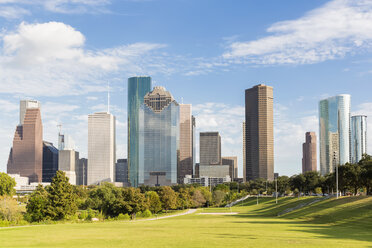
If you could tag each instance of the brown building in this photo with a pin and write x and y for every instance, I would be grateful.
(232, 162)
(185, 166)
(259, 133)
(26, 155)
(210, 148)
(309, 153)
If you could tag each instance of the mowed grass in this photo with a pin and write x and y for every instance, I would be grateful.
(346, 222)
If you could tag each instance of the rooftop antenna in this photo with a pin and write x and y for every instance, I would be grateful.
(181, 100)
(108, 97)
(59, 128)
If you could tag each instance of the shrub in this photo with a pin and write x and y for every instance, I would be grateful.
(146, 213)
(9, 209)
(123, 217)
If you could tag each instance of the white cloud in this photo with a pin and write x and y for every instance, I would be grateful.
(50, 59)
(328, 32)
(7, 106)
(12, 12)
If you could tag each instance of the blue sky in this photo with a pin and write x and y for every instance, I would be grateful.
(64, 52)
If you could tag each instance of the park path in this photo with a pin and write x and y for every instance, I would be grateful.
(190, 211)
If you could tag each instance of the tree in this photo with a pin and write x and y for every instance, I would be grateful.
(184, 198)
(283, 184)
(9, 209)
(312, 179)
(198, 198)
(61, 197)
(297, 182)
(366, 172)
(36, 209)
(353, 176)
(154, 202)
(168, 197)
(103, 198)
(134, 201)
(7, 184)
(218, 197)
(207, 194)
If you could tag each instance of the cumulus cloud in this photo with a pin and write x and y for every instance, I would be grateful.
(328, 32)
(50, 59)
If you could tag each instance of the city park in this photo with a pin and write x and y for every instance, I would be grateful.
(298, 211)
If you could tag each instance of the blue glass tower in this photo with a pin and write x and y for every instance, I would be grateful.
(159, 139)
(138, 87)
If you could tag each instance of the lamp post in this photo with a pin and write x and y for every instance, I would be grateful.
(276, 190)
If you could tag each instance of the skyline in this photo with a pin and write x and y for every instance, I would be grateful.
(210, 79)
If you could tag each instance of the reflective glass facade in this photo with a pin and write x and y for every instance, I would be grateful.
(358, 137)
(334, 132)
(158, 140)
(138, 87)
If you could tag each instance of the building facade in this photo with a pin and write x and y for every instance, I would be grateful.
(121, 171)
(50, 162)
(82, 172)
(138, 87)
(101, 148)
(24, 105)
(210, 148)
(232, 162)
(309, 155)
(259, 133)
(158, 139)
(334, 132)
(214, 170)
(186, 163)
(244, 153)
(68, 161)
(26, 154)
(358, 137)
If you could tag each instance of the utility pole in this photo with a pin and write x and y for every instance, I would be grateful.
(276, 190)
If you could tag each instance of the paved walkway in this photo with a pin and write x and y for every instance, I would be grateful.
(190, 211)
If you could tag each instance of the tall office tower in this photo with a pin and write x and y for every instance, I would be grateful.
(101, 148)
(68, 160)
(358, 137)
(82, 172)
(309, 153)
(138, 87)
(26, 155)
(50, 162)
(65, 142)
(334, 132)
(185, 166)
(159, 138)
(210, 148)
(259, 133)
(232, 162)
(121, 168)
(24, 105)
(244, 153)
(193, 126)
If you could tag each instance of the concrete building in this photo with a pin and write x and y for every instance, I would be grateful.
(68, 160)
(82, 172)
(309, 155)
(50, 161)
(210, 148)
(158, 138)
(138, 87)
(214, 170)
(101, 148)
(358, 137)
(121, 168)
(26, 155)
(206, 181)
(20, 181)
(334, 132)
(232, 162)
(186, 163)
(259, 133)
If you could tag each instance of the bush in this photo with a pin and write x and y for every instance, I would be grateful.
(146, 213)
(123, 217)
(9, 209)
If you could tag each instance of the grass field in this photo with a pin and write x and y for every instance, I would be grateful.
(346, 222)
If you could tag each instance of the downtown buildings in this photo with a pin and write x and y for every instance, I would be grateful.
(309, 155)
(259, 133)
(358, 142)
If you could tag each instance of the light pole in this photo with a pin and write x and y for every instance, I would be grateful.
(276, 190)
(337, 180)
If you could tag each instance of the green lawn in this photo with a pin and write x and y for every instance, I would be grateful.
(346, 222)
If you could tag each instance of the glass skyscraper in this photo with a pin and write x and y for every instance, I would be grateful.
(159, 133)
(334, 132)
(138, 87)
(358, 137)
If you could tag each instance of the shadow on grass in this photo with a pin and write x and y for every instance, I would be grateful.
(345, 218)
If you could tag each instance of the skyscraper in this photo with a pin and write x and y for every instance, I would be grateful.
(309, 153)
(138, 87)
(185, 166)
(68, 161)
(358, 137)
(334, 132)
(244, 153)
(210, 148)
(101, 148)
(259, 133)
(26, 155)
(50, 162)
(158, 138)
(232, 162)
(24, 105)
(82, 172)
(121, 171)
